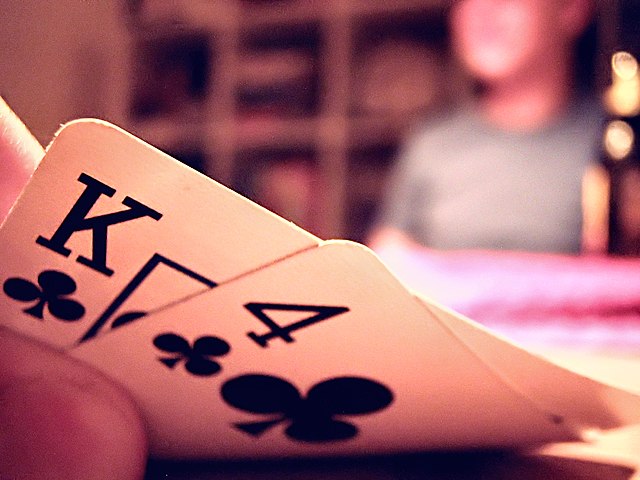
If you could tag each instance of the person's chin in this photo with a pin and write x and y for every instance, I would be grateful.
(491, 67)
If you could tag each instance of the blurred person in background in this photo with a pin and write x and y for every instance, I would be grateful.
(504, 173)
(485, 206)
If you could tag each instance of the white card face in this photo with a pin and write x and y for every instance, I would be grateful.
(616, 447)
(579, 402)
(324, 353)
(110, 228)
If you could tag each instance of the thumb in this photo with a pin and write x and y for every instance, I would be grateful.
(20, 153)
(61, 419)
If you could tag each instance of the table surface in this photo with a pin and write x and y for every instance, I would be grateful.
(427, 466)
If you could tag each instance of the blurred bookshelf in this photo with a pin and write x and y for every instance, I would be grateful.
(300, 105)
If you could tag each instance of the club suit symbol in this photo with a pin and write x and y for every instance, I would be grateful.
(197, 358)
(318, 417)
(50, 292)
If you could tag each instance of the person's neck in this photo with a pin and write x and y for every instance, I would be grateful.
(526, 103)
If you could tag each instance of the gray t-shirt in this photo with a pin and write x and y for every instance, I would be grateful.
(463, 184)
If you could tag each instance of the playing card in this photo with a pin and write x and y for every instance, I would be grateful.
(326, 353)
(616, 447)
(581, 403)
(110, 228)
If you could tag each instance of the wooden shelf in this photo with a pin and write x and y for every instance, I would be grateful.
(285, 84)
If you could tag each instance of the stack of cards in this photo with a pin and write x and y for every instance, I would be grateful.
(241, 335)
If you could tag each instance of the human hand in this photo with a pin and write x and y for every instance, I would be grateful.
(58, 417)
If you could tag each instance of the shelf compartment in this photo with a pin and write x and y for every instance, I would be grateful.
(367, 173)
(283, 180)
(397, 69)
(278, 71)
(172, 74)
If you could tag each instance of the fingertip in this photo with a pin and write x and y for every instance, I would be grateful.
(20, 153)
(16, 139)
(61, 419)
(54, 429)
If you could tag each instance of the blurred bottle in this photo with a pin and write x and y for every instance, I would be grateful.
(613, 190)
(621, 154)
